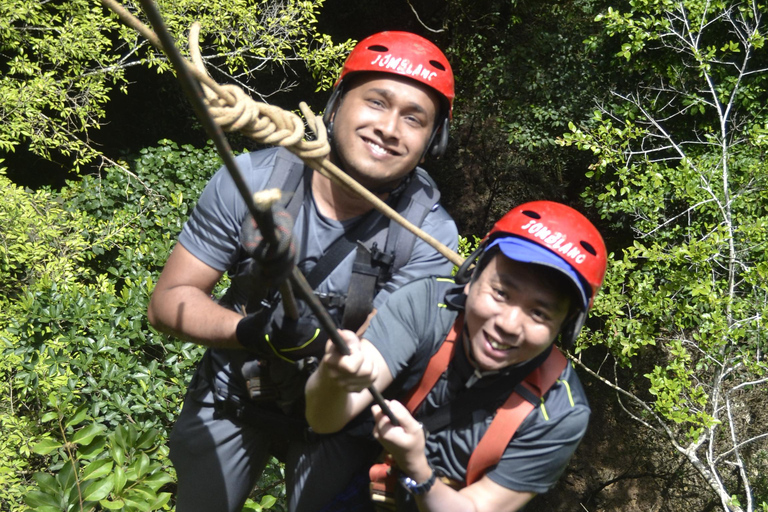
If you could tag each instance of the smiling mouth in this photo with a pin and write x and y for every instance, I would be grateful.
(379, 150)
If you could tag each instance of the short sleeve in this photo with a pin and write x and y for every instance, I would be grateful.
(212, 232)
(545, 442)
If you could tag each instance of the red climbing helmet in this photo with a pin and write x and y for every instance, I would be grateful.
(405, 54)
(562, 232)
(408, 55)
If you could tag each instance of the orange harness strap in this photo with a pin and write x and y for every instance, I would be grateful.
(436, 366)
(511, 414)
(508, 417)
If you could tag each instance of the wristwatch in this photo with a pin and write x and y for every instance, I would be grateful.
(414, 488)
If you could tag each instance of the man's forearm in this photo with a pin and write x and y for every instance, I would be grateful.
(328, 406)
(190, 314)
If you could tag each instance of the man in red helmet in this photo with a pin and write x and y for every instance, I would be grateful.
(389, 108)
(474, 365)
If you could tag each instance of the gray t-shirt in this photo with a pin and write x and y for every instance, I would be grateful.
(419, 314)
(212, 234)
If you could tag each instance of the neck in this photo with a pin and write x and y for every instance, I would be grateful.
(336, 201)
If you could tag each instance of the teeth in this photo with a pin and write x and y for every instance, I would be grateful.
(498, 346)
(378, 149)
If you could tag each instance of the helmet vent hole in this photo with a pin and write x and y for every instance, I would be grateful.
(588, 247)
(378, 48)
(437, 65)
(531, 214)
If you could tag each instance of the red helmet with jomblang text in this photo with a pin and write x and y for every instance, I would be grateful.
(562, 231)
(405, 54)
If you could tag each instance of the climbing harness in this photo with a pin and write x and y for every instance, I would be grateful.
(386, 247)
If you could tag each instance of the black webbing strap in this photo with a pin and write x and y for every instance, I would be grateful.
(362, 289)
(487, 398)
(342, 246)
(291, 176)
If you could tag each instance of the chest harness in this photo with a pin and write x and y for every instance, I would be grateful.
(508, 418)
(381, 247)
(385, 247)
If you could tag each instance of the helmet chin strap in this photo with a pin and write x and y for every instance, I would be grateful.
(464, 274)
(571, 329)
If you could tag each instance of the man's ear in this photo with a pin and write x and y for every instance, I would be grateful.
(334, 102)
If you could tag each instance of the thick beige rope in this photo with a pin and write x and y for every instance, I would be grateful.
(234, 110)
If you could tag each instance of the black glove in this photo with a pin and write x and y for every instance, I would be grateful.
(271, 333)
(250, 329)
(271, 264)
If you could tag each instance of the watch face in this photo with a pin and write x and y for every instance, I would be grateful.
(414, 488)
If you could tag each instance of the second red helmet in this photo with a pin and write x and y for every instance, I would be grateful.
(563, 232)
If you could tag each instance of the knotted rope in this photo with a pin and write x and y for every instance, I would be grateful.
(234, 110)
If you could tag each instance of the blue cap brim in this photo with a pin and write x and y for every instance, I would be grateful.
(525, 251)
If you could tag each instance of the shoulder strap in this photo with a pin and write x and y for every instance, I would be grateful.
(288, 174)
(511, 414)
(386, 248)
(436, 366)
(418, 199)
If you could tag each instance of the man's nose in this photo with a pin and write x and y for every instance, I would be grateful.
(388, 124)
(509, 320)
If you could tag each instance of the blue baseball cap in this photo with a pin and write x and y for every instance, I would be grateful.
(525, 251)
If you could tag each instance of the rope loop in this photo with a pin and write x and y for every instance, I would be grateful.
(235, 111)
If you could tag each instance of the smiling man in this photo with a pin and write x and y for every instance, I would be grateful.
(390, 107)
(461, 357)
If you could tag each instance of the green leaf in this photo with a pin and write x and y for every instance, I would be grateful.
(46, 446)
(158, 479)
(97, 469)
(66, 476)
(36, 499)
(117, 504)
(268, 501)
(92, 450)
(118, 455)
(78, 417)
(49, 416)
(146, 439)
(138, 504)
(47, 483)
(142, 465)
(119, 478)
(161, 501)
(86, 435)
(98, 489)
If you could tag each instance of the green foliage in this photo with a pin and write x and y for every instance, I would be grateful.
(96, 470)
(86, 381)
(679, 164)
(52, 88)
(62, 61)
(522, 73)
